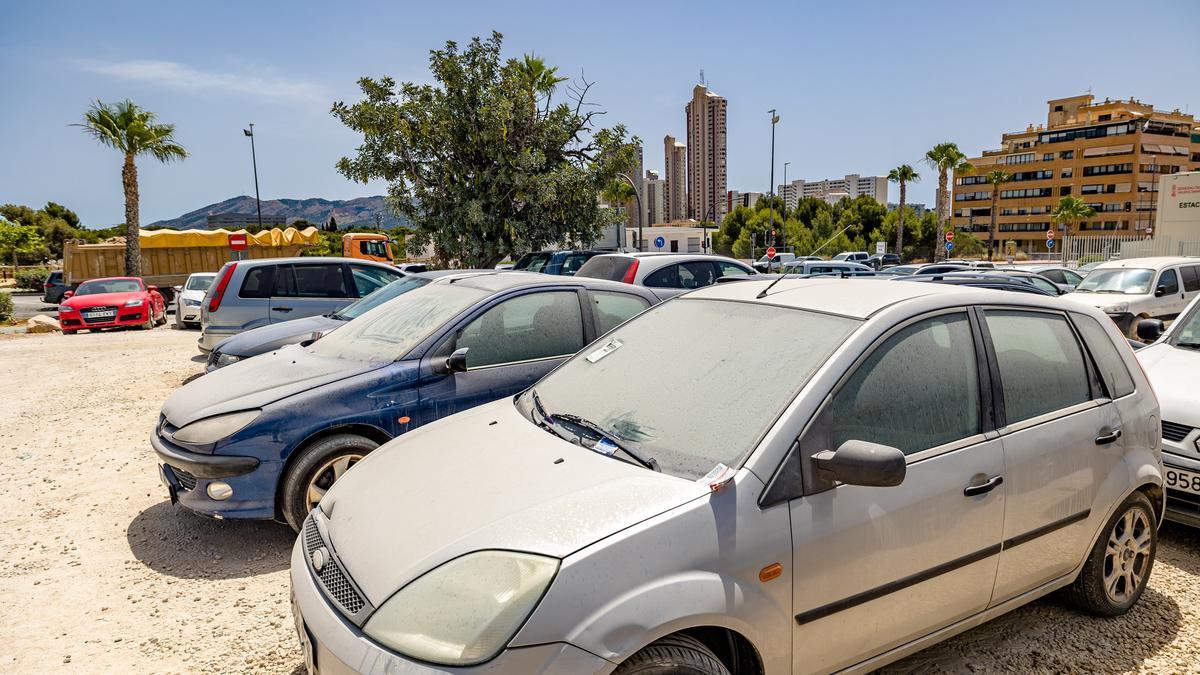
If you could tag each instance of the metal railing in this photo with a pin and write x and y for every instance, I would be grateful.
(1081, 250)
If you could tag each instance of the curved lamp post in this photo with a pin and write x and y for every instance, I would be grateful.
(638, 197)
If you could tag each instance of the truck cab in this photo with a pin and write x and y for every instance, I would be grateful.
(375, 247)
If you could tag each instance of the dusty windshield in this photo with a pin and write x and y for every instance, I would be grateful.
(1186, 332)
(392, 290)
(693, 383)
(1127, 281)
(200, 283)
(387, 332)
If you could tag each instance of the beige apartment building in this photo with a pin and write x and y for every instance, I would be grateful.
(706, 167)
(1109, 153)
(675, 180)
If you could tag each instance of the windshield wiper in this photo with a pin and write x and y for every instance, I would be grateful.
(601, 434)
(1188, 345)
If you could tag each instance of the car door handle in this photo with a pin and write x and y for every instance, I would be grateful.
(984, 487)
(1107, 436)
(281, 309)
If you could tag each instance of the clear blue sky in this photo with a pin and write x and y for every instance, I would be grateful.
(861, 87)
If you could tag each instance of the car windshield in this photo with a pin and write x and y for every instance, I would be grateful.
(377, 249)
(1187, 332)
(389, 331)
(693, 404)
(533, 262)
(373, 300)
(200, 282)
(109, 286)
(1129, 281)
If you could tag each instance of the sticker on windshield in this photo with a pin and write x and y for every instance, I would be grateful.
(719, 476)
(605, 447)
(606, 349)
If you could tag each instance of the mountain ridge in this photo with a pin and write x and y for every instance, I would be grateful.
(357, 212)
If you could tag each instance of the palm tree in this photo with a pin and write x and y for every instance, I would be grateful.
(996, 178)
(131, 131)
(540, 80)
(1070, 209)
(903, 174)
(946, 158)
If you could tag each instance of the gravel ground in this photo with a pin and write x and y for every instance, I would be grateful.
(102, 574)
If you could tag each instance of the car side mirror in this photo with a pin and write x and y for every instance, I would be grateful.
(1150, 329)
(68, 294)
(1160, 291)
(178, 289)
(862, 463)
(455, 363)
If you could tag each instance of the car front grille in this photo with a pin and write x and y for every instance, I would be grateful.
(186, 480)
(105, 319)
(333, 578)
(213, 357)
(1176, 432)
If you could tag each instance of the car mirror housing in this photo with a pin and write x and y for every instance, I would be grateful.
(455, 363)
(1150, 329)
(862, 463)
(152, 288)
(68, 294)
(1160, 291)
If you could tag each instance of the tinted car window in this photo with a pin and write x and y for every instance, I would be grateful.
(573, 262)
(1041, 367)
(728, 269)
(369, 279)
(527, 327)
(259, 282)
(1191, 277)
(532, 262)
(667, 277)
(1055, 275)
(1169, 282)
(1071, 277)
(1108, 359)
(612, 268)
(614, 309)
(918, 390)
(697, 274)
(319, 281)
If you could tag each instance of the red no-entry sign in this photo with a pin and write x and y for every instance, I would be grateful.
(950, 235)
(237, 241)
(771, 252)
(1049, 234)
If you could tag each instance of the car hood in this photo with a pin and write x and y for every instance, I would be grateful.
(1172, 373)
(1099, 300)
(257, 382)
(483, 479)
(193, 294)
(274, 335)
(103, 299)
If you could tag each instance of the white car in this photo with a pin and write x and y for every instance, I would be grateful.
(1172, 364)
(1140, 288)
(188, 298)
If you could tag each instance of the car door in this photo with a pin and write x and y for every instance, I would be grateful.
(876, 567)
(1061, 437)
(511, 344)
(309, 289)
(1169, 303)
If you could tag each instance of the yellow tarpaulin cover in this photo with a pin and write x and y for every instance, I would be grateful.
(184, 238)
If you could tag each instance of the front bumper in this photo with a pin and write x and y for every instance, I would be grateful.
(187, 476)
(1182, 507)
(133, 317)
(334, 645)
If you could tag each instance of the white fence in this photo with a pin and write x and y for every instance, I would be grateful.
(1082, 250)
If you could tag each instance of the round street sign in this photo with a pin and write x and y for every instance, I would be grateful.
(660, 242)
(1049, 234)
(237, 241)
(771, 252)
(1149, 230)
(949, 246)
(950, 236)
(1049, 243)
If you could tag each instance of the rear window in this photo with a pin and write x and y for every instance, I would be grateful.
(258, 282)
(612, 268)
(532, 262)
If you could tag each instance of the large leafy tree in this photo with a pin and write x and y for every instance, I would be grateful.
(946, 158)
(17, 240)
(903, 175)
(132, 131)
(484, 162)
(995, 178)
(1070, 210)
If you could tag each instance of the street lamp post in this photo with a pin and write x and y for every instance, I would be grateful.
(638, 197)
(783, 240)
(771, 191)
(254, 162)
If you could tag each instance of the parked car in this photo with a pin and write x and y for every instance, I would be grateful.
(987, 264)
(266, 437)
(826, 267)
(900, 270)
(272, 336)
(773, 264)
(1172, 365)
(1140, 288)
(53, 287)
(977, 280)
(942, 268)
(251, 293)
(189, 297)
(936, 457)
(879, 262)
(109, 303)
(1023, 275)
(665, 274)
(412, 268)
(565, 263)
(1063, 276)
(853, 256)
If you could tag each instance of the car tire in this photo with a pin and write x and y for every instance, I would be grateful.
(317, 466)
(673, 655)
(1119, 565)
(162, 318)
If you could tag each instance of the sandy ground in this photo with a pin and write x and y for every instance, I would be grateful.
(102, 574)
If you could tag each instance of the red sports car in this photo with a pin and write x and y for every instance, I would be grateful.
(111, 302)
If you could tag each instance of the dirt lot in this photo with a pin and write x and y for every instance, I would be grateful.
(102, 574)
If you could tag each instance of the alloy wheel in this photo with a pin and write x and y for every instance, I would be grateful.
(1127, 556)
(325, 476)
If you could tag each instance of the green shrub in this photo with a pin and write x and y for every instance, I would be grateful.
(6, 307)
(32, 278)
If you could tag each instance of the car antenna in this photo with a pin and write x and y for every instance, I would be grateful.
(763, 293)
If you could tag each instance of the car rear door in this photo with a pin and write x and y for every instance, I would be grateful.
(1189, 278)
(309, 289)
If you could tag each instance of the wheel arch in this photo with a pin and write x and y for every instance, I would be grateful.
(735, 650)
(356, 428)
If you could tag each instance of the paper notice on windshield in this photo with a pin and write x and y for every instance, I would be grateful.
(605, 446)
(604, 350)
(719, 476)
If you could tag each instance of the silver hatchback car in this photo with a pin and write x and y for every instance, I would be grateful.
(836, 475)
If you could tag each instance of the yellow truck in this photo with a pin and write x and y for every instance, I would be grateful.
(368, 246)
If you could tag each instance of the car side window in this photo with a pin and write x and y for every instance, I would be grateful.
(369, 279)
(572, 264)
(524, 328)
(728, 269)
(1056, 276)
(667, 277)
(258, 282)
(1041, 366)
(696, 274)
(319, 281)
(613, 309)
(1169, 282)
(919, 389)
(1044, 285)
(1116, 376)
(1071, 277)
(1191, 277)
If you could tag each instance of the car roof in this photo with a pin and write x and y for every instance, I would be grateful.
(310, 259)
(114, 279)
(494, 281)
(1155, 262)
(667, 256)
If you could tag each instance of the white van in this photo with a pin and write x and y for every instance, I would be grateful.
(1140, 288)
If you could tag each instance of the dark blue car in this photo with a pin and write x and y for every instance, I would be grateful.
(266, 437)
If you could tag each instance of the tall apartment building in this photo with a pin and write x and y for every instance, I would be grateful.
(1111, 154)
(706, 166)
(852, 185)
(675, 189)
(655, 201)
(635, 174)
(747, 199)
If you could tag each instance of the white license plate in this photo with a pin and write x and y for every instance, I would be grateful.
(102, 315)
(1185, 481)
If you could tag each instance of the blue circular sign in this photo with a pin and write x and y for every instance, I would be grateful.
(949, 246)
(1049, 243)
(660, 242)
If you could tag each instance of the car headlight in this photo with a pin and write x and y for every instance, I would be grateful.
(66, 308)
(465, 611)
(135, 303)
(213, 429)
(1118, 308)
(189, 302)
(226, 359)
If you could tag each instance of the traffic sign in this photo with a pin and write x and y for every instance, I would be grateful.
(660, 242)
(1149, 230)
(880, 248)
(237, 241)
(1049, 244)
(949, 246)
(950, 236)
(1049, 234)
(771, 252)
